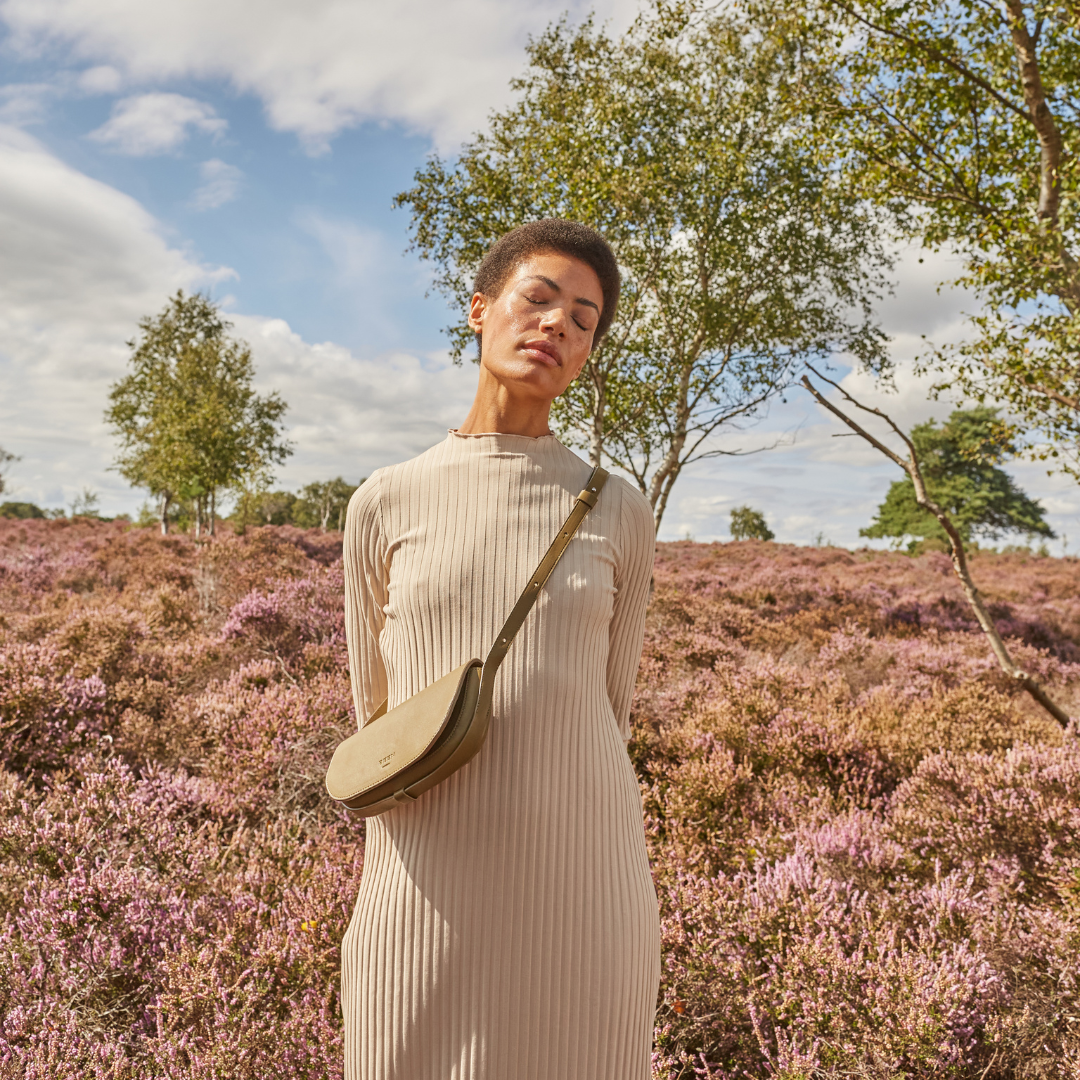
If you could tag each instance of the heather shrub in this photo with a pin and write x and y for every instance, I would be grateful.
(834, 795)
(974, 716)
(1011, 818)
(866, 844)
(46, 710)
(270, 738)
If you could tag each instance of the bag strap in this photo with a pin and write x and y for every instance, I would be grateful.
(585, 501)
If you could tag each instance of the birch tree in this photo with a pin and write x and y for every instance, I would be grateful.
(963, 117)
(742, 254)
(6, 458)
(909, 460)
(189, 421)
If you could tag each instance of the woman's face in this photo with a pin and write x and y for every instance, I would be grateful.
(538, 333)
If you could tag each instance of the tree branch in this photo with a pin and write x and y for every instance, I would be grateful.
(957, 553)
(942, 58)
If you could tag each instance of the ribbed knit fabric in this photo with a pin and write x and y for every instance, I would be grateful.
(507, 925)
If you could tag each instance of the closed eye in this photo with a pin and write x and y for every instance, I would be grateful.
(577, 322)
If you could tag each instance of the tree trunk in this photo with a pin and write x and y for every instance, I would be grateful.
(213, 511)
(596, 430)
(165, 515)
(665, 491)
(668, 472)
(198, 516)
(957, 553)
(1050, 143)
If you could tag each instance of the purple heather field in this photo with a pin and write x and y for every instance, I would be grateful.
(866, 844)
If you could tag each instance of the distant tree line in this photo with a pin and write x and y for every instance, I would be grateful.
(84, 505)
(320, 505)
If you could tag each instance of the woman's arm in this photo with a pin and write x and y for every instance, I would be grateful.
(636, 546)
(366, 595)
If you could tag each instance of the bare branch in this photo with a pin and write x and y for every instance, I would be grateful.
(957, 553)
(856, 428)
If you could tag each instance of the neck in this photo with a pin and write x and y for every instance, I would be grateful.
(496, 409)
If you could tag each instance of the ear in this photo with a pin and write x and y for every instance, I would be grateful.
(477, 311)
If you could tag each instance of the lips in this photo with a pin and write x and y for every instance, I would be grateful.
(543, 351)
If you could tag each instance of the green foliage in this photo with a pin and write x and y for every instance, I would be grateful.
(323, 504)
(189, 421)
(959, 463)
(749, 524)
(21, 511)
(85, 504)
(265, 508)
(741, 252)
(5, 460)
(319, 505)
(964, 119)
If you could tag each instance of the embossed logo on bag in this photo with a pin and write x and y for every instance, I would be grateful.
(383, 762)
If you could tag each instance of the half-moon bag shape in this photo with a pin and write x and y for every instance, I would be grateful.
(398, 755)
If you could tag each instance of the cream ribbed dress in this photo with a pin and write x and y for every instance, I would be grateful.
(507, 925)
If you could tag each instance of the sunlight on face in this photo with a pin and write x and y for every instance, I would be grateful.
(538, 332)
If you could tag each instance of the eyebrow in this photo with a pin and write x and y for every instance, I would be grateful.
(548, 281)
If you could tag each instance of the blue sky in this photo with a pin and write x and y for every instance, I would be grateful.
(254, 151)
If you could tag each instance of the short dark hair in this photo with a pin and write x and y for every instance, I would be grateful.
(552, 234)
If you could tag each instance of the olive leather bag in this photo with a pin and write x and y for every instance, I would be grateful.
(398, 755)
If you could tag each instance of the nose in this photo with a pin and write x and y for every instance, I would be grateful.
(554, 319)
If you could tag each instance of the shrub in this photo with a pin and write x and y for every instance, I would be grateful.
(866, 845)
(749, 524)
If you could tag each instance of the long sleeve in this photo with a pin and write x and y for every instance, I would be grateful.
(637, 548)
(366, 595)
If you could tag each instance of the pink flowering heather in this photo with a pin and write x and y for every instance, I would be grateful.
(866, 845)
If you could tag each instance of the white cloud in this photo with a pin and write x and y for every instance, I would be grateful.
(156, 123)
(81, 263)
(318, 67)
(100, 79)
(220, 184)
(350, 414)
(828, 481)
(22, 104)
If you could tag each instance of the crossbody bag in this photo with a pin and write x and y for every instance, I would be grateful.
(398, 755)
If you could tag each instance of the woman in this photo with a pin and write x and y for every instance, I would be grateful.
(507, 925)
